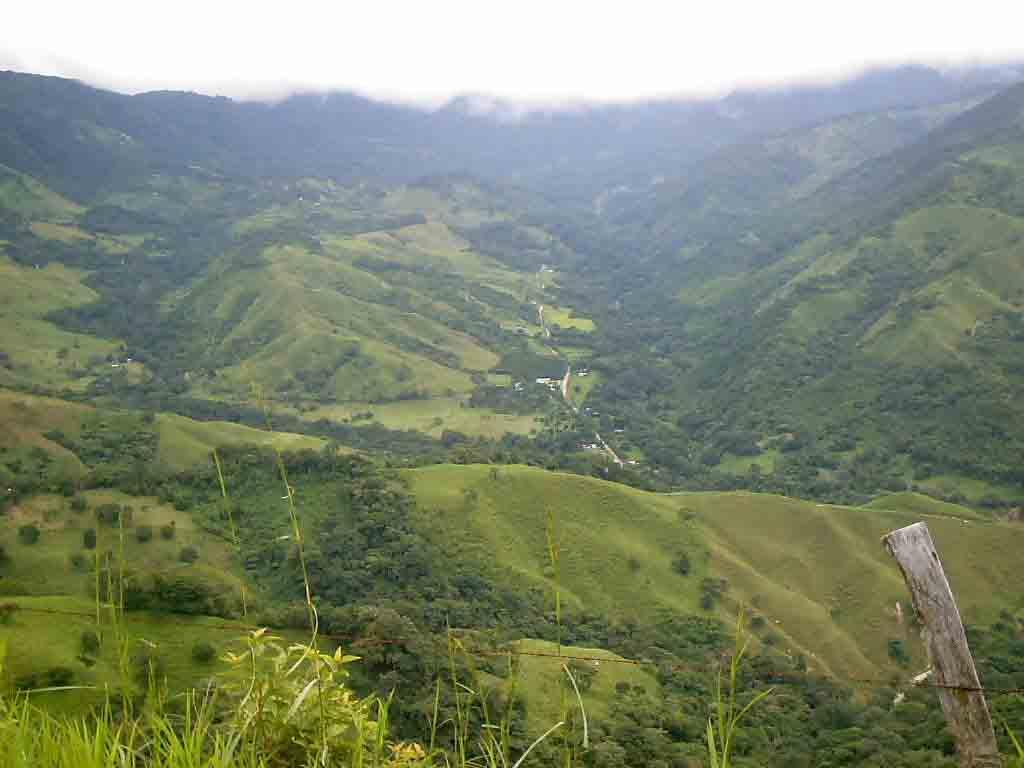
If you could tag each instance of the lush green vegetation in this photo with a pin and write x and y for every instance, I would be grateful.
(800, 329)
(863, 336)
(376, 543)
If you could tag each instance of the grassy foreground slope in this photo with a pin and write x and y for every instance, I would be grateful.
(817, 574)
(46, 633)
(47, 586)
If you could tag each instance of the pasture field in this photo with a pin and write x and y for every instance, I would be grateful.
(431, 416)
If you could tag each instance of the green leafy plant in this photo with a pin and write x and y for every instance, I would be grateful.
(293, 702)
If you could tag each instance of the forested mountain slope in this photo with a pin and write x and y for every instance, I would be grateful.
(874, 323)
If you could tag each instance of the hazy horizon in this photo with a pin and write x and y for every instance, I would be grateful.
(534, 55)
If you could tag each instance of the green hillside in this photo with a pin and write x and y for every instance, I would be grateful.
(820, 592)
(816, 573)
(866, 337)
(311, 292)
(69, 440)
(44, 639)
(540, 677)
(166, 570)
(34, 350)
(185, 443)
(733, 201)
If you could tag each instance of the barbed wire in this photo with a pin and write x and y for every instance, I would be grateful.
(564, 655)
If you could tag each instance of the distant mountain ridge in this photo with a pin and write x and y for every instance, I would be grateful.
(346, 136)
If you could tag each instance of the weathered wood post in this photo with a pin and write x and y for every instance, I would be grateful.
(959, 689)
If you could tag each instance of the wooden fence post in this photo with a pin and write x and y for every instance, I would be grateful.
(963, 702)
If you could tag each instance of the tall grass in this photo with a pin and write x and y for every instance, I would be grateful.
(229, 513)
(724, 724)
(487, 744)
(31, 738)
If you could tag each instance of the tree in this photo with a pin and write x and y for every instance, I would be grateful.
(79, 504)
(188, 554)
(28, 534)
(89, 538)
(89, 643)
(167, 531)
(203, 652)
(144, 533)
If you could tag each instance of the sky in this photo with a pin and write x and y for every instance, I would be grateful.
(531, 51)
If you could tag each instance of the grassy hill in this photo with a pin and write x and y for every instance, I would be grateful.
(185, 443)
(45, 634)
(74, 438)
(539, 680)
(815, 573)
(48, 566)
(312, 292)
(48, 584)
(34, 350)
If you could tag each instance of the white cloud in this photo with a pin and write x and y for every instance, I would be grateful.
(551, 50)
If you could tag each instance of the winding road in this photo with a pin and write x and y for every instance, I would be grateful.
(564, 386)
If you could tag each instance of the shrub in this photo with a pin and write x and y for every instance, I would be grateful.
(28, 534)
(111, 514)
(188, 554)
(3, 555)
(203, 652)
(78, 561)
(54, 677)
(898, 652)
(89, 538)
(144, 533)
(681, 564)
(79, 504)
(167, 531)
(89, 643)
(711, 590)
